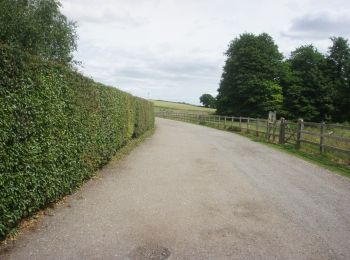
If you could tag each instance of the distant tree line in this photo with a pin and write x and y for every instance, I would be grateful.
(310, 85)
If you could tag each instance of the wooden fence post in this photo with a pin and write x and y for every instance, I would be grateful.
(282, 131)
(267, 136)
(248, 121)
(274, 126)
(240, 124)
(299, 129)
(257, 127)
(322, 128)
(225, 123)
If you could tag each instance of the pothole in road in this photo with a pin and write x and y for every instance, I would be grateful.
(153, 252)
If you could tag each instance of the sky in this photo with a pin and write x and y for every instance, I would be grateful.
(174, 49)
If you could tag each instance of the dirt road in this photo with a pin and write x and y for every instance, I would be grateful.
(191, 192)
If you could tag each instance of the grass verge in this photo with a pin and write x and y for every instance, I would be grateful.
(318, 159)
(313, 158)
(125, 150)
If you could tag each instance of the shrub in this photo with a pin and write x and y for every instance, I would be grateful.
(56, 128)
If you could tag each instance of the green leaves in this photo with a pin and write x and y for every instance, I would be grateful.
(56, 128)
(39, 27)
(208, 100)
(308, 85)
(306, 93)
(251, 77)
(338, 61)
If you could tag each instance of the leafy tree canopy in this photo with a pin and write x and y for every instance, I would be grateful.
(250, 83)
(307, 94)
(38, 26)
(208, 100)
(309, 85)
(339, 72)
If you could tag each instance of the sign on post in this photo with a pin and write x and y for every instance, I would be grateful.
(272, 116)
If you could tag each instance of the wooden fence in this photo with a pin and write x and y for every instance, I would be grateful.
(332, 139)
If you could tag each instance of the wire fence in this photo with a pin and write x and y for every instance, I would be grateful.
(332, 140)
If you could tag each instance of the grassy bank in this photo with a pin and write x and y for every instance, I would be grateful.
(160, 105)
(307, 152)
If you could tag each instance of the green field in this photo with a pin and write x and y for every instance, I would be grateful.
(160, 105)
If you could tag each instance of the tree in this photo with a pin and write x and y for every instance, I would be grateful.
(250, 82)
(338, 61)
(37, 26)
(208, 100)
(307, 94)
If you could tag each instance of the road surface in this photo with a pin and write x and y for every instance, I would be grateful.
(192, 192)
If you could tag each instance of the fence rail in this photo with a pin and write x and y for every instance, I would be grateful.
(325, 138)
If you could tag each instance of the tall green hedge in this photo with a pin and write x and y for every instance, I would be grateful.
(56, 128)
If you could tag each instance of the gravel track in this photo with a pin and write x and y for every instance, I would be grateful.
(192, 192)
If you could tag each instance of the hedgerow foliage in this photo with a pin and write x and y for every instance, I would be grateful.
(56, 128)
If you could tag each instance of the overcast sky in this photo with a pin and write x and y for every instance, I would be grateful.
(173, 49)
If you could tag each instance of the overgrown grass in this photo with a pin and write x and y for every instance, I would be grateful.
(318, 159)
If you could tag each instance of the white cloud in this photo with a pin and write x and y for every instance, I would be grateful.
(173, 49)
(319, 26)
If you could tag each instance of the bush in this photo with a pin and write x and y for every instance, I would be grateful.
(56, 128)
